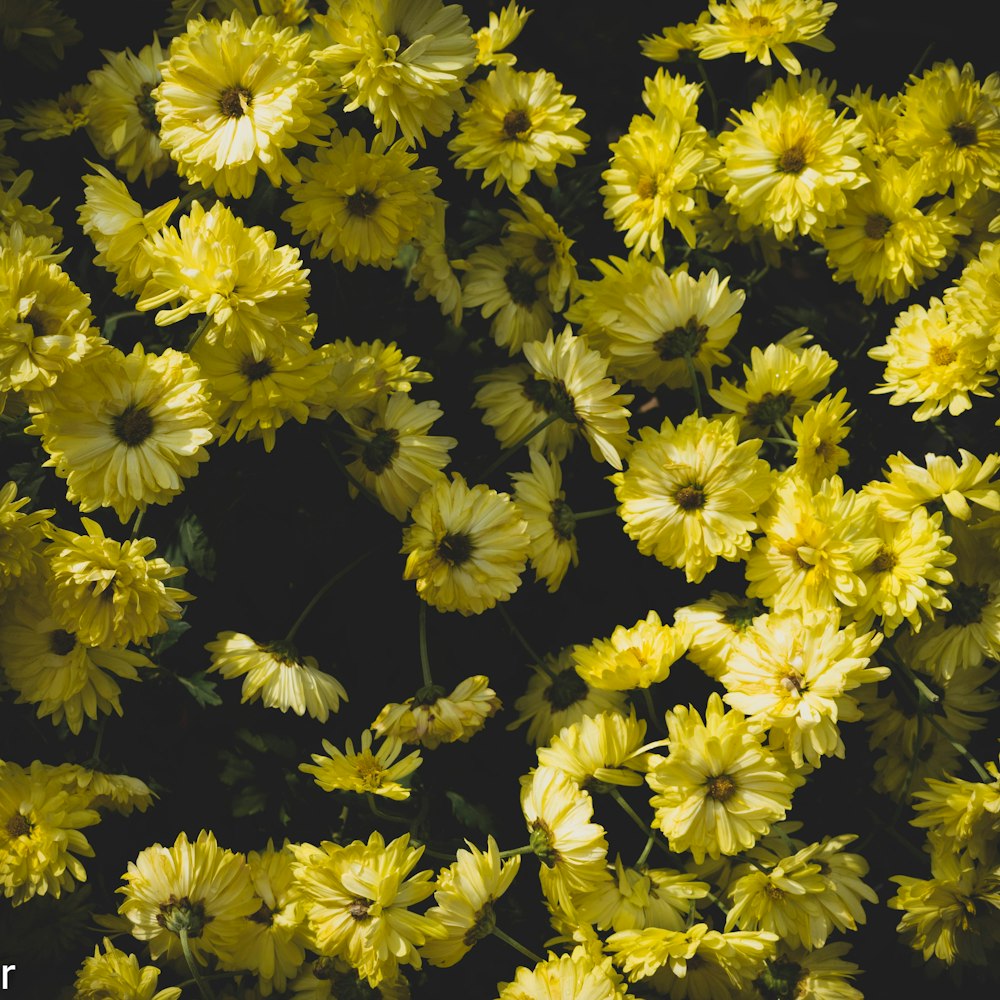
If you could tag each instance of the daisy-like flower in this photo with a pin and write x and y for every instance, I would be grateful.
(718, 790)
(691, 492)
(651, 323)
(814, 548)
(110, 593)
(359, 206)
(396, 458)
(125, 430)
(879, 120)
(975, 297)
(52, 119)
(818, 433)
(884, 242)
(114, 973)
(20, 535)
(433, 716)
(234, 97)
(40, 838)
(582, 394)
(45, 322)
(934, 360)
(513, 296)
(716, 625)
(780, 383)
(655, 167)
(362, 771)
(558, 697)
(500, 32)
(118, 792)
(276, 674)
(633, 657)
(820, 973)
(793, 677)
(29, 219)
(213, 263)
(463, 901)
(789, 161)
(674, 42)
(425, 261)
(50, 668)
(764, 28)
(119, 228)
(571, 848)
(199, 889)
(121, 112)
(960, 815)
(516, 125)
(551, 523)
(579, 975)
(466, 548)
(606, 747)
(357, 901)
(181, 11)
(949, 124)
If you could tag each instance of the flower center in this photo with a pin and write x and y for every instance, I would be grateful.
(429, 694)
(362, 203)
(18, 825)
(774, 892)
(942, 355)
(515, 123)
(253, 370)
(682, 341)
(359, 908)
(876, 226)
(883, 562)
(967, 603)
(183, 914)
(61, 642)
(720, 788)
(540, 840)
(647, 187)
(690, 497)
(235, 102)
(740, 616)
(133, 425)
(963, 134)
(759, 23)
(265, 915)
(378, 453)
(567, 688)
(146, 106)
(563, 519)
(793, 159)
(482, 924)
(769, 409)
(792, 681)
(369, 770)
(521, 286)
(455, 548)
(544, 250)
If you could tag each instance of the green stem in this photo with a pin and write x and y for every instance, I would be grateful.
(517, 946)
(595, 513)
(203, 988)
(782, 440)
(321, 593)
(537, 660)
(507, 452)
(382, 814)
(641, 860)
(196, 336)
(425, 663)
(961, 748)
(527, 849)
(137, 522)
(654, 717)
(638, 820)
(695, 389)
(95, 757)
(350, 477)
(711, 94)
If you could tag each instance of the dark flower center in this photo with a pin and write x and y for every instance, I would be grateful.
(265, 915)
(741, 616)
(883, 562)
(770, 409)
(146, 106)
(963, 134)
(482, 924)
(682, 341)
(563, 519)
(690, 497)
(254, 370)
(18, 825)
(235, 102)
(567, 688)
(455, 548)
(793, 160)
(521, 286)
(183, 914)
(62, 643)
(359, 908)
(133, 425)
(721, 788)
(362, 203)
(967, 603)
(378, 453)
(876, 226)
(515, 123)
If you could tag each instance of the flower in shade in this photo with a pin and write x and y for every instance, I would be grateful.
(363, 771)
(112, 974)
(20, 535)
(51, 119)
(579, 975)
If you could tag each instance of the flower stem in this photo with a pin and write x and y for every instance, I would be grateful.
(517, 946)
(196, 336)
(595, 513)
(425, 663)
(137, 522)
(350, 477)
(695, 389)
(507, 452)
(318, 596)
(654, 716)
(639, 822)
(527, 849)
(961, 748)
(203, 988)
(538, 661)
(382, 814)
(641, 860)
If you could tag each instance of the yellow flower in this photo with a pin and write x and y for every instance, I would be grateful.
(533, 237)
(789, 161)
(501, 31)
(691, 492)
(110, 593)
(357, 901)
(234, 97)
(762, 28)
(818, 433)
(20, 535)
(40, 824)
(125, 430)
(466, 548)
(425, 261)
(181, 11)
(973, 298)
(960, 815)
(878, 118)
(199, 889)
(716, 625)
(718, 790)
(674, 42)
(364, 772)
(822, 973)
(517, 124)
(52, 119)
(359, 206)
(405, 60)
(541, 501)
(433, 716)
(603, 748)
(463, 901)
(276, 674)
(32, 222)
(122, 113)
(578, 975)
(115, 975)
(119, 792)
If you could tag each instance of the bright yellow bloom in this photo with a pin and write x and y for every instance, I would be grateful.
(31, 221)
(818, 433)
(20, 535)
(234, 97)
(578, 975)
(466, 548)
(606, 747)
(362, 771)
(114, 975)
(975, 298)
(517, 124)
(960, 815)
(716, 625)
(674, 42)
(878, 118)
(118, 792)
(500, 32)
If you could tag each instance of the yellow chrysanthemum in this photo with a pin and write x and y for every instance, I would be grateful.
(818, 433)
(118, 792)
(975, 298)
(960, 815)
(789, 161)
(517, 124)
(40, 838)
(110, 593)
(651, 323)
(716, 625)
(500, 32)
(466, 548)
(362, 771)
(878, 118)
(606, 748)
(20, 535)
(425, 261)
(122, 113)
(234, 97)
(822, 973)
(691, 492)
(359, 206)
(32, 222)
(276, 674)
(578, 975)
(199, 889)
(357, 901)
(115, 975)
(674, 42)
(463, 901)
(718, 789)
(125, 430)
(52, 119)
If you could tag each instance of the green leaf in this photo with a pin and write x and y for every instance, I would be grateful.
(476, 817)
(201, 689)
(191, 547)
(249, 802)
(162, 642)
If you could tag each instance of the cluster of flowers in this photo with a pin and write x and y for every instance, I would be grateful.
(845, 588)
